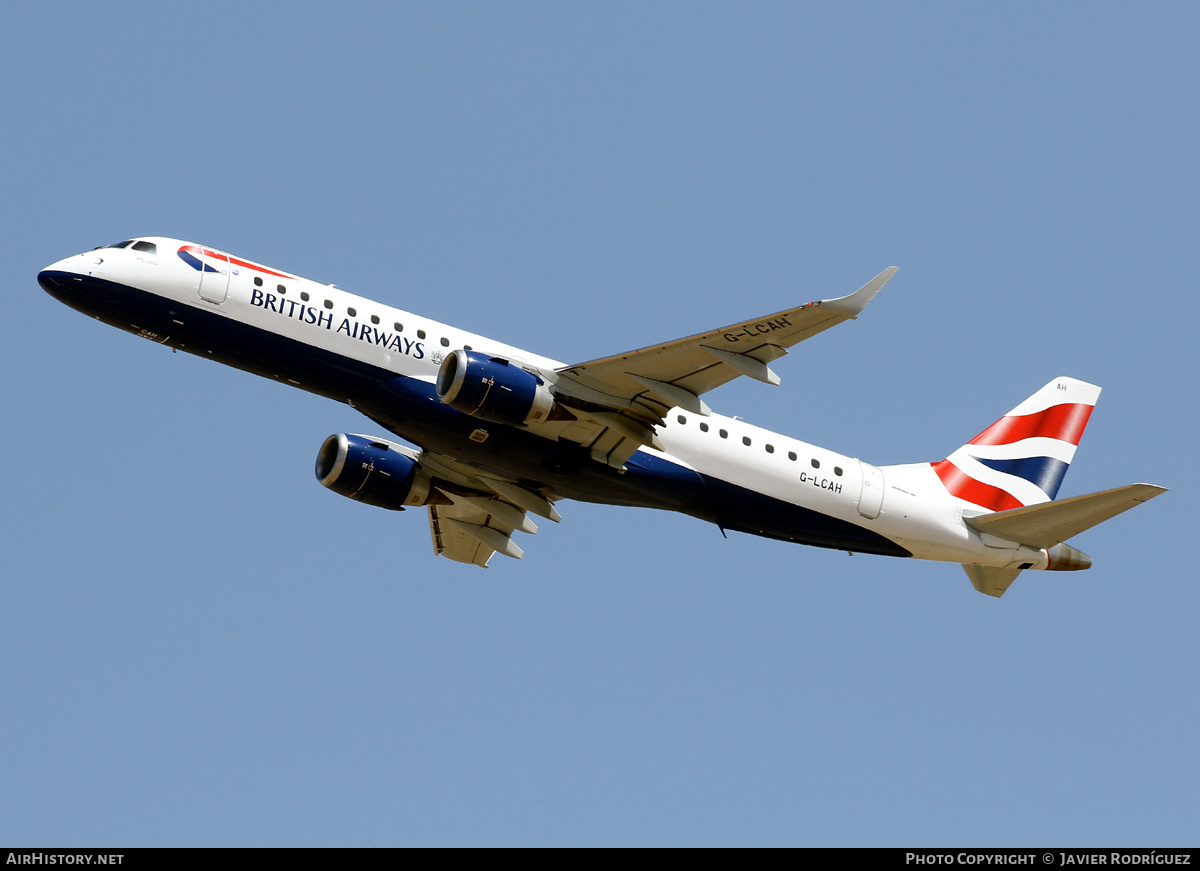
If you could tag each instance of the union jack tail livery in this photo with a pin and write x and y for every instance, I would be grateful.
(1021, 459)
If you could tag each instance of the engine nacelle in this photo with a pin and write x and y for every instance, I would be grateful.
(493, 388)
(373, 471)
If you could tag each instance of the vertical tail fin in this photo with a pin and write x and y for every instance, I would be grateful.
(1021, 458)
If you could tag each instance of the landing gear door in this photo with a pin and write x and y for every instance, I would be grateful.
(214, 286)
(870, 501)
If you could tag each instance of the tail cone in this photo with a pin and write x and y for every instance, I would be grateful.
(1064, 558)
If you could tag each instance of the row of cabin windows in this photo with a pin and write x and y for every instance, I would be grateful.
(814, 462)
(353, 312)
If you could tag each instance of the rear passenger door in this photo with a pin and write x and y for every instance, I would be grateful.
(870, 500)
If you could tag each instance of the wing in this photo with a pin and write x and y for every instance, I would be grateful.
(472, 517)
(618, 400)
(468, 532)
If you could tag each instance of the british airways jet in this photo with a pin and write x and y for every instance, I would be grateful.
(503, 433)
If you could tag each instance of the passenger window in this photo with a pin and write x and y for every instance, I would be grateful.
(681, 419)
(770, 449)
(724, 434)
(816, 464)
(399, 327)
(329, 303)
(282, 290)
(445, 343)
(792, 455)
(466, 347)
(148, 247)
(420, 334)
(374, 319)
(704, 427)
(837, 470)
(304, 295)
(258, 281)
(351, 312)
(746, 440)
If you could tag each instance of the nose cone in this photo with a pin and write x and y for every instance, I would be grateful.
(62, 279)
(54, 281)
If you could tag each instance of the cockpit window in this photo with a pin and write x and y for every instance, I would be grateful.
(148, 247)
(124, 244)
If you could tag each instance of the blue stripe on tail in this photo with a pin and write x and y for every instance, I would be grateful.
(1046, 473)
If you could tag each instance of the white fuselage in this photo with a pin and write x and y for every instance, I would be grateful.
(905, 504)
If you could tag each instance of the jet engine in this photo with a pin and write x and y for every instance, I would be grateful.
(373, 471)
(493, 388)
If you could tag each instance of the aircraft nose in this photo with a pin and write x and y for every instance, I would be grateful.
(48, 281)
(52, 282)
(57, 278)
(63, 280)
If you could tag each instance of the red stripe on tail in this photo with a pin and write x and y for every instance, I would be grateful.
(962, 485)
(1062, 422)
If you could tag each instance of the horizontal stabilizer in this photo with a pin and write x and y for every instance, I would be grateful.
(990, 580)
(1049, 523)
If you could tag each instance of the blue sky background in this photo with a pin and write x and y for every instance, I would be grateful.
(200, 645)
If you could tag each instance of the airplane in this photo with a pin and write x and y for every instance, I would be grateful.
(502, 433)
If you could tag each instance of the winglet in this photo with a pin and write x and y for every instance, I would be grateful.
(857, 301)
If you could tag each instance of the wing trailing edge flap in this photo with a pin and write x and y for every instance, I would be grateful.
(469, 528)
(472, 516)
(1049, 523)
(619, 438)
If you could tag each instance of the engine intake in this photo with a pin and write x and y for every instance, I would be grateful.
(373, 471)
(493, 388)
